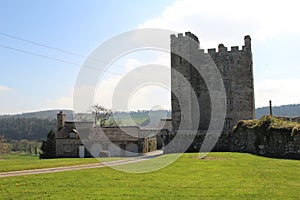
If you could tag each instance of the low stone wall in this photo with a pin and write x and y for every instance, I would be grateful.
(270, 142)
(268, 137)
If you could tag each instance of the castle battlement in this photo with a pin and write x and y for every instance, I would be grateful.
(183, 38)
(234, 48)
(187, 35)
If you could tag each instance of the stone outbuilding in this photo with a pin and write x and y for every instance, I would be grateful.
(84, 139)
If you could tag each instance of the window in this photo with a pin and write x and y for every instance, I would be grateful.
(228, 123)
(229, 104)
(67, 148)
(180, 59)
(227, 85)
(72, 135)
(226, 66)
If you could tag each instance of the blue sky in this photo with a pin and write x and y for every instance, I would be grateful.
(30, 83)
(77, 27)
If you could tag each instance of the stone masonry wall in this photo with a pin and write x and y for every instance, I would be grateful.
(236, 69)
(265, 140)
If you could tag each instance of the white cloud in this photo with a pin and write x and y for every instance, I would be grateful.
(63, 102)
(281, 92)
(131, 64)
(146, 96)
(102, 94)
(224, 21)
(105, 89)
(227, 22)
(4, 89)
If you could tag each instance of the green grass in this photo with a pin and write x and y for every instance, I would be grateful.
(219, 176)
(15, 162)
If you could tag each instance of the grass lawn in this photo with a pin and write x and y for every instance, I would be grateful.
(219, 176)
(14, 162)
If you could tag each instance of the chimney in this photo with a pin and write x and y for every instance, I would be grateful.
(61, 118)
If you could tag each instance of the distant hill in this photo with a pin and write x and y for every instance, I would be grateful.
(31, 125)
(26, 128)
(291, 110)
(143, 118)
(46, 114)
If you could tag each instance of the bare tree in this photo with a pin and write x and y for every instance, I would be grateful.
(102, 115)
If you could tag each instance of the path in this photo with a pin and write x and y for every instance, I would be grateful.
(86, 166)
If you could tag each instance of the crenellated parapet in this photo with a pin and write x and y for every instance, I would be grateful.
(188, 36)
(180, 36)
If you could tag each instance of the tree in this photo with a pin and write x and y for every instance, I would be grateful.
(26, 128)
(102, 115)
(24, 145)
(4, 148)
(48, 146)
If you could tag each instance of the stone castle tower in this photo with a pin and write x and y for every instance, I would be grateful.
(236, 69)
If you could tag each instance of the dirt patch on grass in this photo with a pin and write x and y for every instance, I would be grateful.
(210, 158)
(214, 158)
